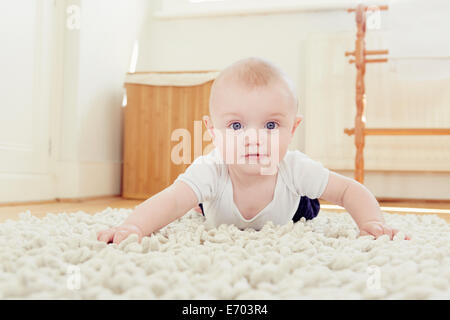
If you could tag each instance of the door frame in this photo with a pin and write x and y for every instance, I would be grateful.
(49, 35)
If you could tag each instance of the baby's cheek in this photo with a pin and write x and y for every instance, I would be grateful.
(228, 150)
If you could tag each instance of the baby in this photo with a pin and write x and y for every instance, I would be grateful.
(251, 177)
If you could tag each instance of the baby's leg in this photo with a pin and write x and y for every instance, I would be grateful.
(308, 208)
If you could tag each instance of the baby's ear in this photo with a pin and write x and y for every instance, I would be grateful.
(297, 121)
(209, 126)
(207, 122)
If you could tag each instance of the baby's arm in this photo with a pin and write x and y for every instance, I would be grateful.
(360, 203)
(154, 213)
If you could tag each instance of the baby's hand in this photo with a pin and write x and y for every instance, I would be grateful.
(120, 233)
(377, 229)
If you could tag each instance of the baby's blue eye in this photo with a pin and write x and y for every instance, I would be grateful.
(236, 126)
(271, 125)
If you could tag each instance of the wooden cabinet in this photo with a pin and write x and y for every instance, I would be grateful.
(151, 116)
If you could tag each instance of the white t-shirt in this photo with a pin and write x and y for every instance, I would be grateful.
(298, 175)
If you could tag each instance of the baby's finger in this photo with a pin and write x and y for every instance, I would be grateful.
(388, 231)
(100, 234)
(120, 235)
(106, 235)
(363, 233)
(394, 233)
(376, 230)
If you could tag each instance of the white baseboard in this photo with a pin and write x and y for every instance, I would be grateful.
(72, 180)
(88, 179)
(26, 187)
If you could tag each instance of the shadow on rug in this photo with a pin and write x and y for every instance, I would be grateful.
(59, 257)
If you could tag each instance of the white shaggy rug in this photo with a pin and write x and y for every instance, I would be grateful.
(59, 257)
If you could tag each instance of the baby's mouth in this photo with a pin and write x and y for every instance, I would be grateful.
(255, 156)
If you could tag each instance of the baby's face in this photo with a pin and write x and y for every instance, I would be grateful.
(252, 128)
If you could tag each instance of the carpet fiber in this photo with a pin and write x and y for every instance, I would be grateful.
(58, 257)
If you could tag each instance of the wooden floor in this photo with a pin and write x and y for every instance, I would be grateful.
(96, 205)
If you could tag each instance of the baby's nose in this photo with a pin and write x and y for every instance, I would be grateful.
(256, 136)
(251, 138)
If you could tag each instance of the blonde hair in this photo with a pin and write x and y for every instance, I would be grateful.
(254, 72)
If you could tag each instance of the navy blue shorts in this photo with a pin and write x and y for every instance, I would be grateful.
(308, 208)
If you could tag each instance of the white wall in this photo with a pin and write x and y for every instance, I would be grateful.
(213, 43)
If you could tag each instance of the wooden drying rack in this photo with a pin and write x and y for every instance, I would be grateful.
(360, 130)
